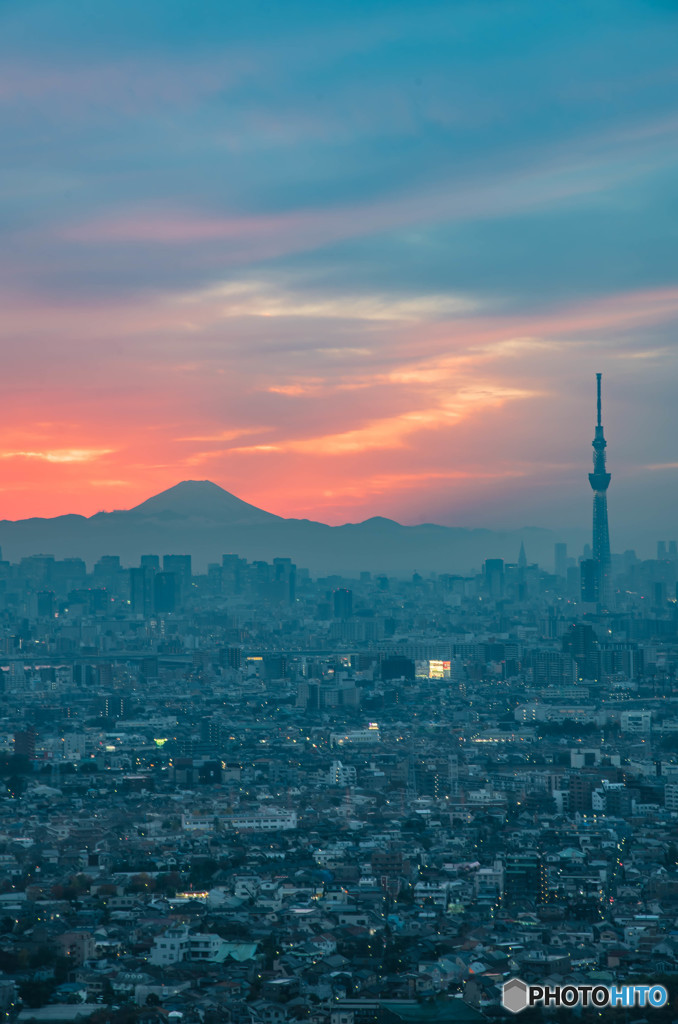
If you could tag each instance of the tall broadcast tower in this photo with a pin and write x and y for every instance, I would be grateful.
(600, 481)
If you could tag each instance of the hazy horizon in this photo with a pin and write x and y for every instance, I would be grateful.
(644, 539)
(192, 501)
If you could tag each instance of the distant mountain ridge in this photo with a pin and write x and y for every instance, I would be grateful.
(203, 499)
(200, 518)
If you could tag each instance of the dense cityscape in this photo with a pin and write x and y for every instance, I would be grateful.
(251, 795)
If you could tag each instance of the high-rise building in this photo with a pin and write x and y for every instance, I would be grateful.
(285, 574)
(342, 601)
(233, 573)
(581, 642)
(165, 586)
(494, 576)
(180, 565)
(24, 743)
(525, 878)
(231, 657)
(600, 481)
(141, 590)
(588, 570)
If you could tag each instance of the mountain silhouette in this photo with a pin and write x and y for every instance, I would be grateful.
(199, 518)
(203, 500)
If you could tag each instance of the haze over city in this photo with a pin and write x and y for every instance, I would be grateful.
(343, 260)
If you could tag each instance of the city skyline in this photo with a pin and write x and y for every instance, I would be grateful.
(345, 262)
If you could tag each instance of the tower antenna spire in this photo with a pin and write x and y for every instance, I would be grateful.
(600, 481)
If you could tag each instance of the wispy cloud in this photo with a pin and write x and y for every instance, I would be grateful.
(263, 298)
(223, 435)
(61, 454)
(396, 431)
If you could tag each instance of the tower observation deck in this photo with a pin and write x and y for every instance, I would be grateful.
(600, 481)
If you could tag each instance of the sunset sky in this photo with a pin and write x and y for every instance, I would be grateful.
(343, 259)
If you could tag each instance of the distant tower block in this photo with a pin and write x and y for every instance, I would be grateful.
(600, 481)
(494, 577)
(522, 558)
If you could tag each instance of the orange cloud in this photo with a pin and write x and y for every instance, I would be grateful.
(62, 454)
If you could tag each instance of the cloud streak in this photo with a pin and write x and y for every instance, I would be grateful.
(62, 455)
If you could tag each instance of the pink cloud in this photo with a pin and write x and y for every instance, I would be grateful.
(554, 177)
